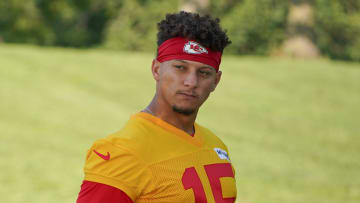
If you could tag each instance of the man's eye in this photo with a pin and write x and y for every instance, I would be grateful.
(179, 67)
(205, 73)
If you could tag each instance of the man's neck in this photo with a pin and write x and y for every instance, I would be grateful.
(165, 113)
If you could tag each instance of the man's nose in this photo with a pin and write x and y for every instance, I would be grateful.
(191, 80)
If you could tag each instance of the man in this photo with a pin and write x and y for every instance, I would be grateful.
(162, 155)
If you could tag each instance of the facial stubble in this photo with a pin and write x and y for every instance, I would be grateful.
(186, 112)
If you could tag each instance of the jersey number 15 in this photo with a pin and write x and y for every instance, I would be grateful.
(191, 180)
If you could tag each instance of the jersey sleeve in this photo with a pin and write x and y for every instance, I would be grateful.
(118, 167)
(92, 192)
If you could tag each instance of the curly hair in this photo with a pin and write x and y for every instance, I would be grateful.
(203, 29)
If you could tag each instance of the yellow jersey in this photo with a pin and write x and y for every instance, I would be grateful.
(153, 161)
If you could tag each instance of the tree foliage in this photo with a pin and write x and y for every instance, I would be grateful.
(135, 26)
(338, 28)
(77, 23)
(21, 21)
(254, 26)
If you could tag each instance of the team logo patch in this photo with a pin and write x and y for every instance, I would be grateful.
(194, 48)
(222, 153)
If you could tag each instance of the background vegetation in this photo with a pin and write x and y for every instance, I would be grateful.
(255, 26)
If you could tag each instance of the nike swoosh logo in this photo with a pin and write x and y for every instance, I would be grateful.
(107, 157)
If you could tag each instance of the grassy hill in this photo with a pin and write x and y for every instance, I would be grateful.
(292, 126)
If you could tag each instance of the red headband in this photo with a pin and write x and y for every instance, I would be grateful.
(181, 48)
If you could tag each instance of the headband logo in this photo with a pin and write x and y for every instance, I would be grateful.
(194, 48)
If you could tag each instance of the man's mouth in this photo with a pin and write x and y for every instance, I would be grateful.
(188, 94)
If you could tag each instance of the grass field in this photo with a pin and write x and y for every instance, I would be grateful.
(292, 127)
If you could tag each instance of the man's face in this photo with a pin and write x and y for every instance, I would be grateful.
(184, 85)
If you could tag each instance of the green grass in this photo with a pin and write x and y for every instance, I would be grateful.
(292, 126)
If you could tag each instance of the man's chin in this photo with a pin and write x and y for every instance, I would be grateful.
(184, 111)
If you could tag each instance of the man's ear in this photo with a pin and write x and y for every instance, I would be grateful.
(155, 69)
(217, 79)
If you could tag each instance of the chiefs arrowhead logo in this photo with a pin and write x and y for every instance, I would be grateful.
(194, 48)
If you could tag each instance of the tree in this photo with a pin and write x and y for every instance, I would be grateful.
(255, 26)
(78, 23)
(134, 28)
(338, 28)
(21, 21)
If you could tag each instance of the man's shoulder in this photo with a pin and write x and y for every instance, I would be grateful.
(210, 137)
(132, 136)
(138, 136)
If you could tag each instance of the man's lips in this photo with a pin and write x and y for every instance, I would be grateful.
(188, 94)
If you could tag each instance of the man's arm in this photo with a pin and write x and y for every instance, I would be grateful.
(92, 192)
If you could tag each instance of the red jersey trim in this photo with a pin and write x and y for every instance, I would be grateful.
(90, 177)
(93, 192)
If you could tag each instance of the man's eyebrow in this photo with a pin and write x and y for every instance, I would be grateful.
(181, 60)
(207, 67)
(202, 67)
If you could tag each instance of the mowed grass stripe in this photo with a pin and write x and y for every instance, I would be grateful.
(292, 126)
